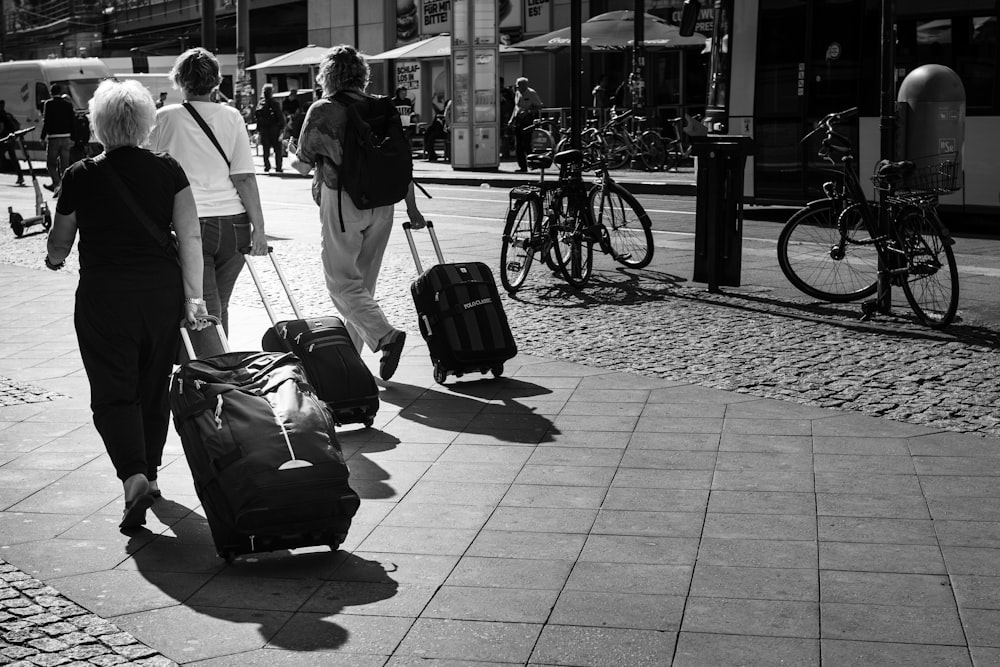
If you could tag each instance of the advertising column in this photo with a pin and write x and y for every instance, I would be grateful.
(475, 53)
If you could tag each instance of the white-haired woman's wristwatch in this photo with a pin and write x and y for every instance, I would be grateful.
(194, 301)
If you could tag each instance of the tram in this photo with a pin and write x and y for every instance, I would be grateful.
(777, 66)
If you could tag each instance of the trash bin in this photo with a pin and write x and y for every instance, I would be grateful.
(718, 231)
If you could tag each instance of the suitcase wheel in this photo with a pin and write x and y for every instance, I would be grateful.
(497, 370)
(228, 556)
(369, 422)
(440, 374)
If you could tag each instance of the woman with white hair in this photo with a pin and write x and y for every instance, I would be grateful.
(221, 170)
(135, 286)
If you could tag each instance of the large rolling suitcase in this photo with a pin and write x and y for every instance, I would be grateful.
(333, 365)
(262, 450)
(460, 315)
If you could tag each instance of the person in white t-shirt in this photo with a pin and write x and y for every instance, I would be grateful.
(221, 176)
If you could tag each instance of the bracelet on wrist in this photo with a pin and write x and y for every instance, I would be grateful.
(194, 301)
(52, 266)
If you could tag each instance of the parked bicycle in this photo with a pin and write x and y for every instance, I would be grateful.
(679, 147)
(832, 248)
(559, 222)
(625, 143)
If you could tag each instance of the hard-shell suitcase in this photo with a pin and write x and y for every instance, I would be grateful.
(262, 450)
(460, 315)
(333, 365)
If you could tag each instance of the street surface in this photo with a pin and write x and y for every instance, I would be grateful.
(763, 338)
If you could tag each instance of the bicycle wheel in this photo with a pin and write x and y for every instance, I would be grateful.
(674, 156)
(931, 285)
(829, 256)
(617, 150)
(654, 150)
(518, 248)
(627, 233)
(572, 250)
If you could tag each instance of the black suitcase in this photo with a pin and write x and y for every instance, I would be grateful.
(460, 315)
(334, 367)
(262, 450)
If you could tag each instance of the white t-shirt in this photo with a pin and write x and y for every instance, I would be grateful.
(178, 133)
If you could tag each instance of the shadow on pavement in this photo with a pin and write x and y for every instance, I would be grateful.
(488, 406)
(292, 598)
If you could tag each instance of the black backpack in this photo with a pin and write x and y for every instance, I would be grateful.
(80, 132)
(376, 152)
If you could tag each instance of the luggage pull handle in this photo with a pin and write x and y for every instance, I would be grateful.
(408, 228)
(260, 286)
(189, 344)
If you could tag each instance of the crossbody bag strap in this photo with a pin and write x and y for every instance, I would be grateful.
(211, 135)
(160, 236)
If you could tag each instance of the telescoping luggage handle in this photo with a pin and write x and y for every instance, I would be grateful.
(260, 286)
(189, 343)
(408, 228)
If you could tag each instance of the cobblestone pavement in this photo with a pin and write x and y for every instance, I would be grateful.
(742, 340)
(41, 628)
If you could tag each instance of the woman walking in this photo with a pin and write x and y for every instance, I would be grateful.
(354, 240)
(132, 294)
(210, 141)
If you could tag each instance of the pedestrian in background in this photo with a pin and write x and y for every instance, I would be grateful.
(57, 128)
(270, 123)
(353, 240)
(602, 98)
(506, 110)
(9, 125)
(291, 105)
(219, 164)
(527, 109)
(436, 130)
(131, 293)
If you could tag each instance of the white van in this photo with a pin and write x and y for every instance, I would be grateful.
(24, 87)
(156, 84)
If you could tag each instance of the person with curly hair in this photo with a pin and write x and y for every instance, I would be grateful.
(353, 239)
(132, 293)
(221, 171)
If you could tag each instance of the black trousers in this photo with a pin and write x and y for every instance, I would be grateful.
(522, 145)
(128, 342)
(270, 139)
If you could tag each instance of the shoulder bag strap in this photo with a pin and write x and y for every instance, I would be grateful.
(161, 237)
(207, 129)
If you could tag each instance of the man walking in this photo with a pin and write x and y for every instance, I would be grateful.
(527, 108)
(8, 125)
(57, 127)
(270, 122)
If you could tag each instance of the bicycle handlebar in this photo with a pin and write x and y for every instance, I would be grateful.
(19, 133)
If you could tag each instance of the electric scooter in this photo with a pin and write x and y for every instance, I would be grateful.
(43, 216)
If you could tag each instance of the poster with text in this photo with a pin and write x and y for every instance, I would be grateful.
(538, 16)
(435, 17)
(408, 76)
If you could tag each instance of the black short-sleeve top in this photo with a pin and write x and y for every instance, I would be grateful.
(117, 252)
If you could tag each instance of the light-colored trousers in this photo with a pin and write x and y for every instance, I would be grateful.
(352, 258)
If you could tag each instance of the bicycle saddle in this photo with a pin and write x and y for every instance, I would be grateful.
(572, 156)
(539, 161)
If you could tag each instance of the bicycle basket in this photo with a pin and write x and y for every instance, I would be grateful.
(943, 176)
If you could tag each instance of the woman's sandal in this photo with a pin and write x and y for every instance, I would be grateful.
(135, 512)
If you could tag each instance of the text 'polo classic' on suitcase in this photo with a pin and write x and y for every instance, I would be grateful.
(263, 452)
(323, 345)
(460, 315)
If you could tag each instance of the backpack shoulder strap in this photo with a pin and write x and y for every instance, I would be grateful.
(161, 237)
(207, 129)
